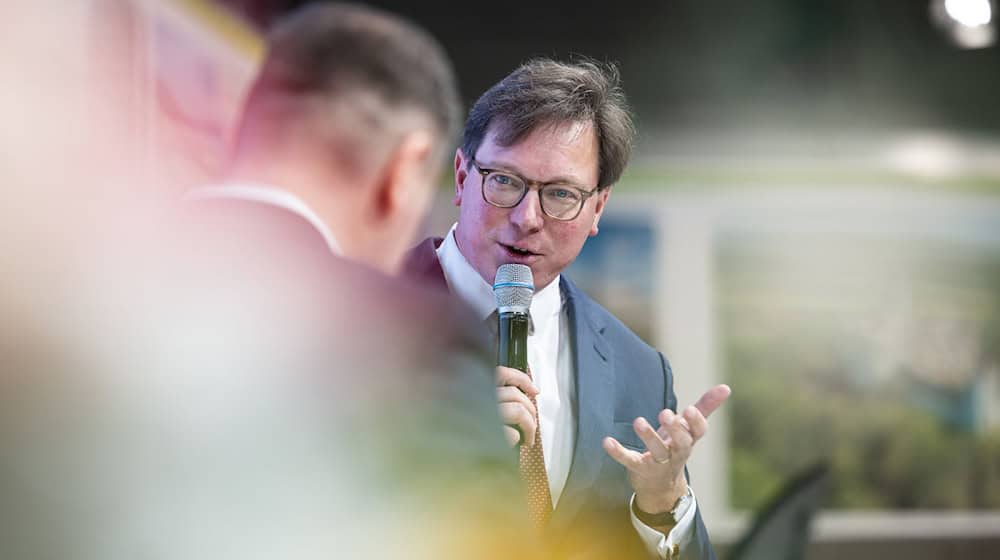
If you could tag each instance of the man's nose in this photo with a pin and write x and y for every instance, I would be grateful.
(528, 215)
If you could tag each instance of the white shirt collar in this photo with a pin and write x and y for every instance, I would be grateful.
(268, 194)
(469, 286)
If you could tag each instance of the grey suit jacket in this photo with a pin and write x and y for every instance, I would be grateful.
(618, 378)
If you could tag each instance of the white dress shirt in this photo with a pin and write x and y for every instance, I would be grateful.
(267, 194)
(550, 359)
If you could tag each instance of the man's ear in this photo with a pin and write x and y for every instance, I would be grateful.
(461, 172)
(602, 201)
(405, 174)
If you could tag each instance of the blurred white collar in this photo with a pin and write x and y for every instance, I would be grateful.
(268, 194)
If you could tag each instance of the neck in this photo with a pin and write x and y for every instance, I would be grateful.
(340, 203)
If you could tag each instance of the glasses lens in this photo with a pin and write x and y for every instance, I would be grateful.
(560, 202)
(502, 189)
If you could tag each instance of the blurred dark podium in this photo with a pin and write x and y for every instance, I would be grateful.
(781, 530)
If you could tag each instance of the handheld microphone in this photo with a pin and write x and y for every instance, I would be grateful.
(513, 288)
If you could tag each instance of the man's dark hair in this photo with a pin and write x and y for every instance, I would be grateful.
(544, 92)
(373, 63)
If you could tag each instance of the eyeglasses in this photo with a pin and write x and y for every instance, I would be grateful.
(506, 190)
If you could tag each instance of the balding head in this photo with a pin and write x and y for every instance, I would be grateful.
(352, 111)
(350, 77)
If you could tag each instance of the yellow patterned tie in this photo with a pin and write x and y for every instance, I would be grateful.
(531, 460)
(532, 466)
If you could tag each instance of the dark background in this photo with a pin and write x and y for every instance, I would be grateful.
(794, 64)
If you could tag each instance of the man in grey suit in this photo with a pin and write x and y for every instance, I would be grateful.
(540, 153)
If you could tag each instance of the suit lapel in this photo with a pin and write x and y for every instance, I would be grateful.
(595, 403)
(592, 357)
(421, 263)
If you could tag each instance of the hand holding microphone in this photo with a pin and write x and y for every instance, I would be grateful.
(514, 393)
(513, 288)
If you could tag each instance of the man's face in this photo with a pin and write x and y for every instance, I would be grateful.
(489, 236)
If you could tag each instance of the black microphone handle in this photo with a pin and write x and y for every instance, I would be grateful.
(512, 350)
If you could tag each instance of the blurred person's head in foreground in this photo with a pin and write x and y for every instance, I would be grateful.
(203, 404)
(351, 112)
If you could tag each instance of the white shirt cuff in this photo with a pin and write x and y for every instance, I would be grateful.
(659, 544)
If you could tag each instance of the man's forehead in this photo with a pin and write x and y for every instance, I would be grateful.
(502, 147)
(505, 134)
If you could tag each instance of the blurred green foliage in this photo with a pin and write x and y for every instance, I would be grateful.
(883, 453)
(807, 389)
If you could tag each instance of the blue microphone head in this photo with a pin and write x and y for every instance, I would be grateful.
(513, 288)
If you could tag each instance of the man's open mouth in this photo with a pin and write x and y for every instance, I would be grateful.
(518, 251)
